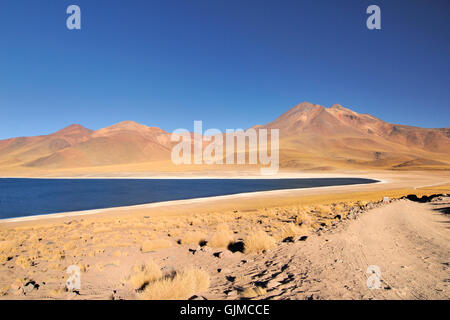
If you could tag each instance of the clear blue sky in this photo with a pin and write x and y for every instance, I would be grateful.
(232, 64)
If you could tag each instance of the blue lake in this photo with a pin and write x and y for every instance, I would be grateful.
(26, 197)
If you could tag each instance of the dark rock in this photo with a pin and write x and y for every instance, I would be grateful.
(236, 246)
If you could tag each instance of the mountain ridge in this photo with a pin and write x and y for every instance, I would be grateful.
(311, 136)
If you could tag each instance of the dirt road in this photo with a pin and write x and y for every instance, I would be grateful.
(408, 242)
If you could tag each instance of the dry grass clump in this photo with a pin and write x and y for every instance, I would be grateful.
(56, 293)
(4, 290)
(23, 262)
(7, 246)
(363, 203)
(222, 237)
(250, 293)
(143, 274)
(292, 230)
(3, 257)
(258, 241)
(152, 245)
(303, 218)
(179, 286)
(339, 207)
(70, 245)
(193, 237)
(322, 209)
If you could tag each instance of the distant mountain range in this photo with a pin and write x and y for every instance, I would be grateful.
(312, 137)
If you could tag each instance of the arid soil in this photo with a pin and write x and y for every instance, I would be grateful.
(327, 257)
(408, 241)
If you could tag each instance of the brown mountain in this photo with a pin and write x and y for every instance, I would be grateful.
(125, 142)
(311, 137)
(24, 149)
(314, 136)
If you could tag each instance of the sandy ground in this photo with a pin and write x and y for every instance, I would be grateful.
(409, 242)
(343, 231)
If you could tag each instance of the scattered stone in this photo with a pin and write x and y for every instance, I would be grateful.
(30, 287)
(313, 297)
(32, 284)
(272, 283)
(114, 296)
(231, 293)
(225, 254)
(238, 246)
(206, 249)
(288, 239)
(195, 297)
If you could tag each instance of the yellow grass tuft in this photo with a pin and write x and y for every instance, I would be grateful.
(3, 257)
(304, 218)
(55, 266)
(250, 293)
(71, 245)
(338, 207)
(4, 290)
(222, 237)
(56, 293)
(258, 241)
(7, 246)
(292, 230)
(144, 274)
(23, 262)
(323, 209)
(152, 245)
(193, 237)
(363, 203)
(180, 286)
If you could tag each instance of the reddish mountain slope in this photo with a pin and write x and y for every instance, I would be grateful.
(314, 136)
(311, 137)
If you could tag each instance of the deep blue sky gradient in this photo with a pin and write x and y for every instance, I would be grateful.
(232, 64)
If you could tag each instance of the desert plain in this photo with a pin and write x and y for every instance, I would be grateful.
(313, 243)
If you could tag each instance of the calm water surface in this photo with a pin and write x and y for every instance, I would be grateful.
(26, 197)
